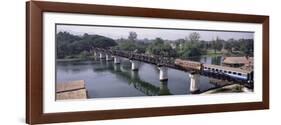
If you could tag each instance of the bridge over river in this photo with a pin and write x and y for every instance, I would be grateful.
(195, 69)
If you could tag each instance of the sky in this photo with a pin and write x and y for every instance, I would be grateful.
(149, 33)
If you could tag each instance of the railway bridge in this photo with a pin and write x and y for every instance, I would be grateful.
(195, 69)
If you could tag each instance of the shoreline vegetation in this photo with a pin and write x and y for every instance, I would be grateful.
(71, 46)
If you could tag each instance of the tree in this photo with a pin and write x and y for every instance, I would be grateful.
(217, 44)
(69, 45)
(194, 37)
(63, 43)
(193, 47)
(229, 45)
(190, 50)
(246, 46)
(127, 46)
(158, 41)
(241, 46)
(103, 42)
(132, 36)
(159, 47)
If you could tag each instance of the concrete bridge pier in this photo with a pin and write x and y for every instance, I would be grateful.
(163, 74)
(135, 65)
(102, 56)
(108, 57)
(117, 60)
(194, 82)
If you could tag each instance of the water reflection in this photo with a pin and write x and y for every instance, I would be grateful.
(132, 78)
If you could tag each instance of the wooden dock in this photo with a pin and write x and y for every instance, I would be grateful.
(71, 90)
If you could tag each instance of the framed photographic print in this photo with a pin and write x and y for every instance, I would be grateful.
(95, 62)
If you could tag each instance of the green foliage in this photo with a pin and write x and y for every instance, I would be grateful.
(69, 45)
(84, 55)
(64, 41)
(73, 46)
(127, 46)
(190, 50)
(131, 44)
(158, 47)
(194, 37)
(132, 36)
(191, 47)
(217, 44)
(247, 46)
(241, 46)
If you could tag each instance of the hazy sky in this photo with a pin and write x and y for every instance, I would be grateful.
(168, 34)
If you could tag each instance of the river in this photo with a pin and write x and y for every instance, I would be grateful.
(105, 79)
